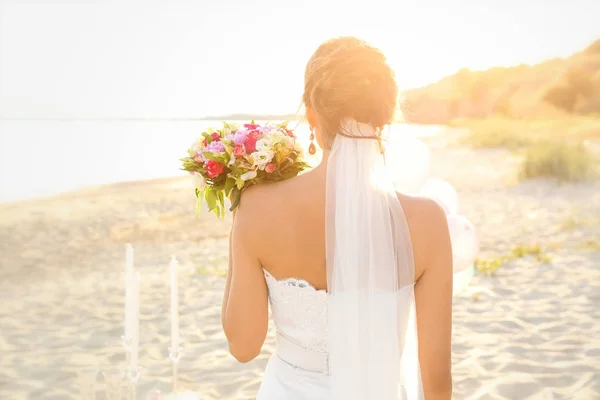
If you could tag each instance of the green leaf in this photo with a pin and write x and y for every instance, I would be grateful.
(211, 199)
(198, 205)
(221, 196)
(289, 173)
(236, 195)
(222, 158)
(229, 184)
(239, 183)
(221, 199)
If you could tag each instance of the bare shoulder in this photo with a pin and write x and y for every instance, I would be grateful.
(428, 228)
(261, 203)
(423, 211)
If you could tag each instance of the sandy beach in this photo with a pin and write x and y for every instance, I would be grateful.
(531, 331)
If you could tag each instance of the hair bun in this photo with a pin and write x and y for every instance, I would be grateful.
(347, 78)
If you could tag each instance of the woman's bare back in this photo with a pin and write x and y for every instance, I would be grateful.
(291, 214)
(281, 227)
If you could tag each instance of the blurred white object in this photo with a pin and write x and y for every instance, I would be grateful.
(198, 181)
(155, 394)
(174, 279)
(442, 192)
(465, 244)
(461, 279)
(408, 159)
(183, 396)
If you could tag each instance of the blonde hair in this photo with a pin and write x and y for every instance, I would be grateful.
(348, 78)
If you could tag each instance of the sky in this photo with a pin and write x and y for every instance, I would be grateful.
(192, 58)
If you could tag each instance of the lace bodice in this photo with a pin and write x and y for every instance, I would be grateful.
(299, 311)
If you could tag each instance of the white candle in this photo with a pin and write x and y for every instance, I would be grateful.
(135, 326)
(129, 277)
(174, 306)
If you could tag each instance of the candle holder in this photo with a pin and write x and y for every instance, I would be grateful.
(114, 379)
(87, 377)
(126, 342)
(175, 357)
(155, 394)
(133, 374)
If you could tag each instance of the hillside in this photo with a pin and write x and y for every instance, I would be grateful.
(550, 89)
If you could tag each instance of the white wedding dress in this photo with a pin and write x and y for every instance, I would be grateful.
(357, 340)
(300, 315)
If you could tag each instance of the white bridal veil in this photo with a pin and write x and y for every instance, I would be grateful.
(370, 275)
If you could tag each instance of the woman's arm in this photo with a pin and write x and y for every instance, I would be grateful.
(433, 296)
(245, 303)
(228, 282)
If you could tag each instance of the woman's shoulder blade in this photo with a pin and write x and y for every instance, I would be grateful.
(268, 197)
(426, 221)
(422, 209)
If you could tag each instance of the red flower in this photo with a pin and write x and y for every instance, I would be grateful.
(250, 145)
(251, 126)
(214, 168)
(239, 151)
(216, 137)
(290, 133)
(269, 168)
(205, 142)
(255, 135)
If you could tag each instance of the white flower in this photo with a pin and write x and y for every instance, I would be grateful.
(199, 182)
(263, 144)
(262, 157)
(298, 148)
(248, 175)
(275, 137)
(273, 140)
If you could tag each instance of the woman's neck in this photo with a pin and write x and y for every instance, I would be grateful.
(321, 168)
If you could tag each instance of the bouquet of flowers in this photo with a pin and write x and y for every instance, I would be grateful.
(226, 161)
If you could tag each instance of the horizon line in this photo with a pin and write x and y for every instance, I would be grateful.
(207, 118)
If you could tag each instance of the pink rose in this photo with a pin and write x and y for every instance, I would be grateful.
(250, 145)
(269, 168)
(254, 134)
(239, 151)
(216, 137)
(198, 158)
(251, 126)
(214, 168)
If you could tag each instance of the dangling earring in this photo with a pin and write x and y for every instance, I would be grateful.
(311, 148)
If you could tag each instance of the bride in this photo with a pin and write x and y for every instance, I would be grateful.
(352, 269)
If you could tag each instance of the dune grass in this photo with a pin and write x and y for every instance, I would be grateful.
(499, 132)
(590, 245)
(567, 162)
(490, 266)
(553, 148)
